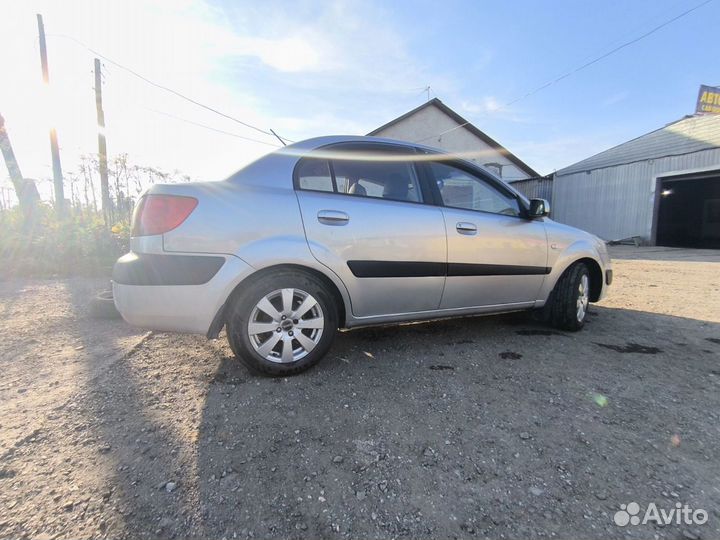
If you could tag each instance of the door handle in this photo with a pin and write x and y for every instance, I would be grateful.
(333, 217)
(463, 227)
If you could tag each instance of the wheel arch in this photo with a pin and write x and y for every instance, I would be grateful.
(221, 316)
(596, 276)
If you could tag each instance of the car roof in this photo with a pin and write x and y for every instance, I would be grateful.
(270, 169)
(302, 148)
(305, 147)
(319, 142)
(273, 169)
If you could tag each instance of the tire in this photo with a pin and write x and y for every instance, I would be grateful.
(280, 344)
(564, 305)
(102, 306)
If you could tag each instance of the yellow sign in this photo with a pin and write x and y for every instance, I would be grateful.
(708, 101)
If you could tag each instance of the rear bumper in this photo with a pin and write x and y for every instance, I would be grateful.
(178, 293)
(148, 269)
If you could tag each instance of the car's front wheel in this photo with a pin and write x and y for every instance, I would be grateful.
(569, 301)
(282, 323)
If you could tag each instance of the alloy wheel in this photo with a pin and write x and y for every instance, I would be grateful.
(285, 325)
(583, 297)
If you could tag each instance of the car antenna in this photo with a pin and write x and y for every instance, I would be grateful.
(278, 137)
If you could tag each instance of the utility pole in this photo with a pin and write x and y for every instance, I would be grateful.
(25, 190)
(54, 150)
(12, 164)
(102, 146)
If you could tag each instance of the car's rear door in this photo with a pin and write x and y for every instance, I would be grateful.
(495, 255)
(365, 218)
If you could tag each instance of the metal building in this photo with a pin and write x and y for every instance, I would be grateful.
(663, 187)
(539, 187)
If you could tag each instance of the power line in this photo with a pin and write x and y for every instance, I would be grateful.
(613, 51)
(192, 122)
(165, 88)
(583, 66)
(646, 23)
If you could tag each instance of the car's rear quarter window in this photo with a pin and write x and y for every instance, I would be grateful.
(314, 174)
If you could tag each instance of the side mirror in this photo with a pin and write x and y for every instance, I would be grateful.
(538, 208)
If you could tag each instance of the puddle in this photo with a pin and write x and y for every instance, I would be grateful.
(631, 348)
(535, 332)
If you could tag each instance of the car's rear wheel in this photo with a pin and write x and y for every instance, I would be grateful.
(102, 306)
(568, 304)
(282, 323)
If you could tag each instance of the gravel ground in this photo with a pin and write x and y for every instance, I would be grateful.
(480, 427)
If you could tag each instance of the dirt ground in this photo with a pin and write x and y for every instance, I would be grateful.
(480, 427)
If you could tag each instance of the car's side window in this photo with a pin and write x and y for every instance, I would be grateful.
(460, 189)
(314, 174)
(389, 179)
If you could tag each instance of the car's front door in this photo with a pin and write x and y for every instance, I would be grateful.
(365, 219)
(495, 256)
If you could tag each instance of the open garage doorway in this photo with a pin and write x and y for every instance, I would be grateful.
(688, 211)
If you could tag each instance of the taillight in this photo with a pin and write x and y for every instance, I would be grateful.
(158, 214)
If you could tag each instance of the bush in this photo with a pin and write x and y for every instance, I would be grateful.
(81, 244)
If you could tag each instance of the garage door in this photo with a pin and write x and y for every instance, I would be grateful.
(689, 211)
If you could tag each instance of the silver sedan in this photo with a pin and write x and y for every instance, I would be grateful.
(340, 232)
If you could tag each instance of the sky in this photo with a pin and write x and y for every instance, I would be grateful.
(306, 69)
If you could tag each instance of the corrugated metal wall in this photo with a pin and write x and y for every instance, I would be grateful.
(617, 202)
(535, 188)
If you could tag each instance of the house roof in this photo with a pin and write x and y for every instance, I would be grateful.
(435, 102)
(685, 136)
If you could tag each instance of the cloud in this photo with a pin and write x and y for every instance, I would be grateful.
(338, 67)
(614, 99)
(180, 44)
(490, 107)
(350, 44)
(292, 54)
(487, 104)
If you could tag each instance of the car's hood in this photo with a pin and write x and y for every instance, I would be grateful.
(563, 229)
